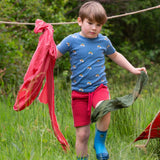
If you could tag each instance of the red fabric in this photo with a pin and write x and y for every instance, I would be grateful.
(155, 130)
(41, 66)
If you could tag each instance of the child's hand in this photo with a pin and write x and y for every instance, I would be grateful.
(138, 70)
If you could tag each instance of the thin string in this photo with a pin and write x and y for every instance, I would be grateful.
(63, 23)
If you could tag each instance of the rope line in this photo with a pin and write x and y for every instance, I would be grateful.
(131, 13)
(63, 23)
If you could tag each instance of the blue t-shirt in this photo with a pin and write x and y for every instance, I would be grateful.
(87, 58)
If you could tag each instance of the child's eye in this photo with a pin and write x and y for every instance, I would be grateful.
(90, 23)
(98, 25)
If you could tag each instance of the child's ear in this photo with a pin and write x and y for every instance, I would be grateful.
(79, 21)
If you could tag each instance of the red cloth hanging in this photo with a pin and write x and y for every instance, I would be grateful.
(155, 129)
(41, 66)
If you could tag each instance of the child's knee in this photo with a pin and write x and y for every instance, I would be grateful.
(82, 135)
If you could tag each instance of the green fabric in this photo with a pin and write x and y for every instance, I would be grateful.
(120, 102)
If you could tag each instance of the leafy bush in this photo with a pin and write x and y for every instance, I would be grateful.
(137, 37)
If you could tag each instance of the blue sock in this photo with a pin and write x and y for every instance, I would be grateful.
(99, 145)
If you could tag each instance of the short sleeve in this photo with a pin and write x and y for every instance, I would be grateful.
(65, 45)
(110, 49)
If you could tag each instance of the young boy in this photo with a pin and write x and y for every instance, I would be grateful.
(87, 50)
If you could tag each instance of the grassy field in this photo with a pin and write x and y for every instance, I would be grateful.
(28, 135)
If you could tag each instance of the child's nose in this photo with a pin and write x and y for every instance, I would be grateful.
(94, 27)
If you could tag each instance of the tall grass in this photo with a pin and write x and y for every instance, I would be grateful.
(28, 135)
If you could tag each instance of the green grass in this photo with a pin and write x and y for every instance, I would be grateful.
(28, 135)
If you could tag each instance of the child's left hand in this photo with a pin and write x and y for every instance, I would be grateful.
(138, 70)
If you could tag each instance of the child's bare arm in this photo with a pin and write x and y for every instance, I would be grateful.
(123, 62)
(59, 54)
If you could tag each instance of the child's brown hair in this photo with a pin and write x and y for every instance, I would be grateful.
(93, 11)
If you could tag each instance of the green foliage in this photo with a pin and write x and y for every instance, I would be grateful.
(141, 30)
(136, 36)
(18, 42)
(28, 134)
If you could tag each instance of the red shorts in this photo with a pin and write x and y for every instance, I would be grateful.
(83, 102)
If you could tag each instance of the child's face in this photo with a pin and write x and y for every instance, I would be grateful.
(89, 29)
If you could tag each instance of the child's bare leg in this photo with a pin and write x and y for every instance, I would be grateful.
(82, 136)
(103, 123)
